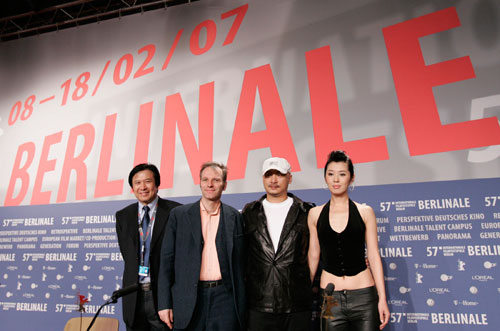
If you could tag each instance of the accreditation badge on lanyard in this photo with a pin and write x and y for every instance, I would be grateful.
(143, 271)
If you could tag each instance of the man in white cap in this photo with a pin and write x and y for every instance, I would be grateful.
(277, 238)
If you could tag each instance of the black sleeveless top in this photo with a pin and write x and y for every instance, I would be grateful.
(342, 254)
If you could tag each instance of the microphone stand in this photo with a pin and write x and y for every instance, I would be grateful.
(113, 299)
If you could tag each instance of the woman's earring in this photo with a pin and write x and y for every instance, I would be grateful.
(351, 187)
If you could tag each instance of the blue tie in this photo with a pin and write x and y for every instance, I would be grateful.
(145, 225)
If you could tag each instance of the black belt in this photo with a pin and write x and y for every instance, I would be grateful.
(145, 287)
(209, 283)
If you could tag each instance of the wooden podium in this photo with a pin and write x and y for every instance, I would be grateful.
(100, 324)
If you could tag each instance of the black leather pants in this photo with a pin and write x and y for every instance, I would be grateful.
(350, 310)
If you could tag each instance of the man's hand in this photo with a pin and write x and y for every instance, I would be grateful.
(167, 316)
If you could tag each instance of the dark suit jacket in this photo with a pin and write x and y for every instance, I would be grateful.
(128, 239)
(181, 261)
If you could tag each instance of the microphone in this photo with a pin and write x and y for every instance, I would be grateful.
(328, 305)
(329, 289)
(124, 291)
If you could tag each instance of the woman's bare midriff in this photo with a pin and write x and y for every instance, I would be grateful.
(361, 280)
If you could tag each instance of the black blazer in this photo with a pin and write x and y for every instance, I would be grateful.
(181, 262)
(127, 231)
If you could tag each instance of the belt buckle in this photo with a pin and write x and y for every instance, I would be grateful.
(210, 283)
(146, 287)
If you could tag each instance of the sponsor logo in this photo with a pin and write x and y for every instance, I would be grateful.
(404, 290)
(398, 303)
(489, 265)
(445, 277)
(429, 266)
(80, 278)
(465, 303)
(439, 290)
(461, 265)
(430, 302)
(482, 278)
(425, 266)
(49, 268)
(473, 290)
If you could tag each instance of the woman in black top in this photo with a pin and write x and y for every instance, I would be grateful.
(339, 231)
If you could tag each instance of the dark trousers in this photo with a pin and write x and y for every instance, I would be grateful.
(259, 321)
(214, 311)
(353, 310)
(146, 317)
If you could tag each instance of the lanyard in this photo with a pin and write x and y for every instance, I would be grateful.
(143, 237)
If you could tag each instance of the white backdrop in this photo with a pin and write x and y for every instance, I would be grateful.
(408, 78)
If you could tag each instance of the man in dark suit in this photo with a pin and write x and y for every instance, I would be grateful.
(140, 228)
(201, 271)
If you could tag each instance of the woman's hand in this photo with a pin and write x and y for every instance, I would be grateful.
(383, 311)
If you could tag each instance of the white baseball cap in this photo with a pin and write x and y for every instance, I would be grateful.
(276, 163)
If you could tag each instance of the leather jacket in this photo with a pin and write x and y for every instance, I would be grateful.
(277, 282)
